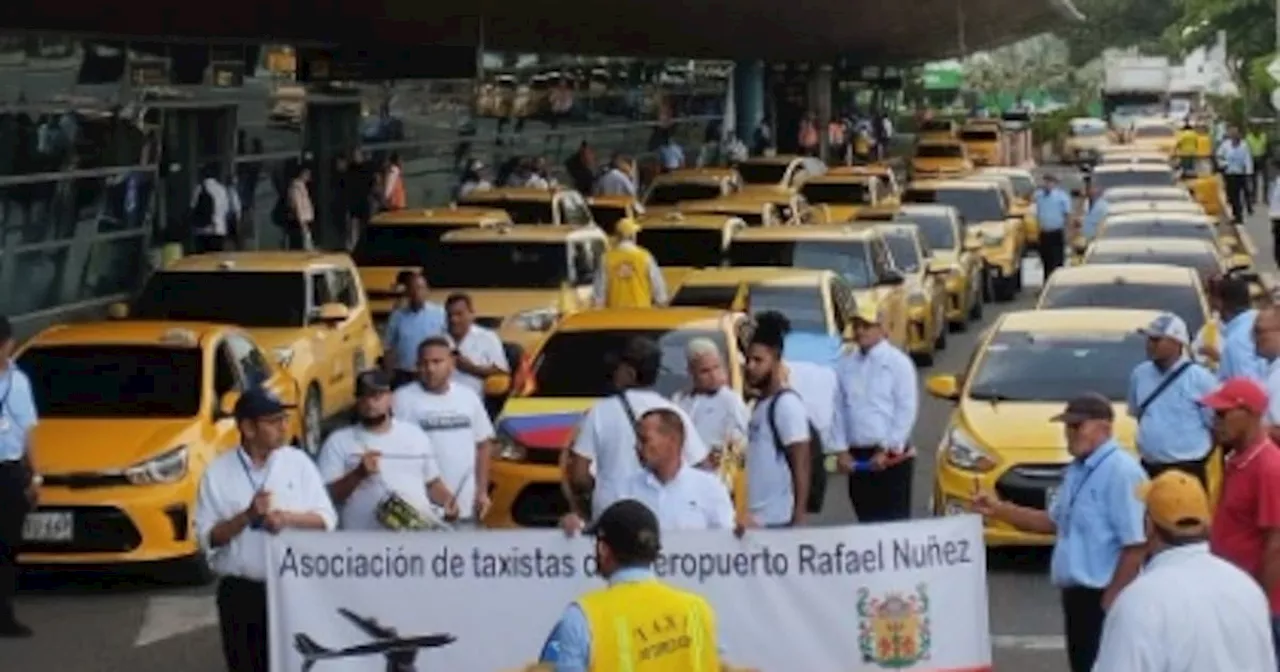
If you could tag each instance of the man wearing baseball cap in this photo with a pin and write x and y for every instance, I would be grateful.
(260, 488)
(614, 628)
(1100, 544)
(1164, 396)
(1246, 526)
(628, 276)
(1189, 610)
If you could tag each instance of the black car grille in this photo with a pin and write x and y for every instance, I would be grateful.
(543, 455)
(1027, 484)
(539, 505)
(82, 481)
(96, 529)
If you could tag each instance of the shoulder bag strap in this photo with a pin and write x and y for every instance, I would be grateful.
(631, 416)
(1164, 385)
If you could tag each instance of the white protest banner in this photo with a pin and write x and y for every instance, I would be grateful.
(899, 596)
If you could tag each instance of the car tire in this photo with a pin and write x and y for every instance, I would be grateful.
(312, 422)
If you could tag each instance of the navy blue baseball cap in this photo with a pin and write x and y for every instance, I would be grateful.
(258, 402)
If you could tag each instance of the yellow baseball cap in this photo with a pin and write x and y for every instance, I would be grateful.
(866, 312)
(1177, 503)
(627, 227)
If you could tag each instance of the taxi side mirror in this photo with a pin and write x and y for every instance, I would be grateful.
(118, 311)
(943, 386)
(226, 406)
(497, 385)
(332, 313)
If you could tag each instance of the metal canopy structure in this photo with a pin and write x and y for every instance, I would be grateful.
(813, 30)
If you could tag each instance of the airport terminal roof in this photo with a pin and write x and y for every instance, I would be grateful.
(813, 30)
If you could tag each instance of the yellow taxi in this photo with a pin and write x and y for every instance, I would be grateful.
(670, 189)
(569, 374)
(131, 413)
(1206, 185)
(926, 291)
(1109, 177)
(888, 189)
(1201, 255)
(307, 308)
(607, 211)
(783, 172)
(945, 158)
(1172, 289)
(1027, 366)
(521, 278)
(1132, 156)
(1190, 208)
(844, 196)
(954, 256)
(987, 212)
(937, 129)
(404, 240)
(1176, 225)
(1086, 136)
(681, 243)
(1155, 134)
(984, 143)
(758, 208)
(530, 205)
(1120, 195)
(859, 254)
(1024, 193)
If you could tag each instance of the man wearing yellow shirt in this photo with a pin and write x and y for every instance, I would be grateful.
(1188, 142)
(629, 277)
(636, 623)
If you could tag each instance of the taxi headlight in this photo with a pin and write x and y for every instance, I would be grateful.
(166, 468)
(283, 355)
(508, 449)
(963, 453)
(540, 319)
(992, 239)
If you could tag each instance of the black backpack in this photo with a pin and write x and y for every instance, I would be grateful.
(817, 455)
(202, 211)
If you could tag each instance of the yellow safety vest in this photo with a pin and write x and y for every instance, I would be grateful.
(648, 626)
(1188, 141)
(1204, 145)
(627, 282)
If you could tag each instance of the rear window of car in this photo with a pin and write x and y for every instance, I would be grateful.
(1181, 300)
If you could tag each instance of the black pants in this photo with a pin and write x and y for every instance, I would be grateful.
(13, 512)
(1082, 611)
(1053, 250)
(1261, 179)
(242, 618)
(209, 243)
(1275, 239)
(881, 496)
(1197, 468)
(1236, 195)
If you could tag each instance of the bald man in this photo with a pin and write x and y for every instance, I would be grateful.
(718, 413)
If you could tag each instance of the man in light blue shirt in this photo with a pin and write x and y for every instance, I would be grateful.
(1100, 525)
(408, 326)
(1237, 168)
(671, 154)
(1239, 352)
(19, 486)
(1097, 212)
(1053, 210)
(1164, 397)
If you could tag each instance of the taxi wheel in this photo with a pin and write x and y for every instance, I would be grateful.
(312, 421)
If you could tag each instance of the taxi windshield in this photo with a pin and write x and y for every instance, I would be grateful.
(803, 306)
(1154, 228)
(837, 193)
(1132, 178)
(1206, 263)
(975, 205)
(1024, 186)
(114, 381)
(578, 363)
(935, 126)
(1038, 367)
(762, 173)
(906, 256)
(278, 299)
(850, 258)
(382, 245)
(979, 136)
(947, 151)
(1181, 300)
(935, 229)
(506, 265)
(684, 247)
(1153, 132)
(675, 192)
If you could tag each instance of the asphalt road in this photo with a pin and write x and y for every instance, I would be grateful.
(110, 623)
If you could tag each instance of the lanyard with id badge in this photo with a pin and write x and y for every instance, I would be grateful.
(257, 486)
(1065, 528)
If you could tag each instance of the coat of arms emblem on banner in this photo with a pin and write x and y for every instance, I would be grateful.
(893, 629)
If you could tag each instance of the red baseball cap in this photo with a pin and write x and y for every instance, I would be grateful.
(1236, 393)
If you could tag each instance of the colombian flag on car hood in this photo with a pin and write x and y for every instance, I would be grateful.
(543, 423)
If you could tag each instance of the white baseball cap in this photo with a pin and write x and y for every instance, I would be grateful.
(1167, 325)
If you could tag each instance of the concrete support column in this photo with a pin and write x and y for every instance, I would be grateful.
(820, 103)
(748, 97)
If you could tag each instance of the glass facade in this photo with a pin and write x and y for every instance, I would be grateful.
(102, 144)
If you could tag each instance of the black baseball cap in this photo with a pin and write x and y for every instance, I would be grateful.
(630, 529)
(372, 383)
(259, 402)
(1091, 406)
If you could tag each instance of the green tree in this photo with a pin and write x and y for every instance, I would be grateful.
(1249, 26)
(1119, 24)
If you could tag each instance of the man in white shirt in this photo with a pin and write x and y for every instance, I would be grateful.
(1189, 610)
(617, 181)
(260, 488)
(479, 352)
(819, 388)
(778, 461)
(878, 403)
(455, 421)
(607, 438)
(381, 457)
(213, 209)
(681, 496)
(718, 413)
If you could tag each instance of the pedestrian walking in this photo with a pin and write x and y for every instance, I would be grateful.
(1237, 168)
(1189, 611)
(260, 488)
(19, 484)
(1239, 355)
(213, 211)
(300, 214)
(878, 401)
(1098, 524)
(407, 327)
(1053, 209)
(1256, 139)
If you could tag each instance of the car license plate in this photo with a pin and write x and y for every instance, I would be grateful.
(1050, 497)
(48, 527)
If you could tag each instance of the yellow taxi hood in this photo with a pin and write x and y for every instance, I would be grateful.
(672, 276)
(843, 212)
(270, 339)
(982, 151)
(542, 422)
(503, 303)
(380, 281)
(70, 445)
(1009, 426)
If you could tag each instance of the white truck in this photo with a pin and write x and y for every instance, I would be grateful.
(1134, 87)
